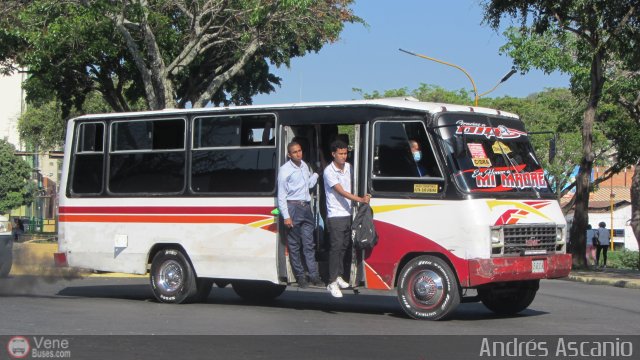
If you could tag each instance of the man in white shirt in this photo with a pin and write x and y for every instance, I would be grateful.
(294, 181)
(337, 186)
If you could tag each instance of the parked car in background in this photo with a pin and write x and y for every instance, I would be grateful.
(6, 246)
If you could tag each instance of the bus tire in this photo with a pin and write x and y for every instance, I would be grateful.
(203, 286)
(6, 257)
(257, 291)
(172, 277)
(509, 298)
(428, 289)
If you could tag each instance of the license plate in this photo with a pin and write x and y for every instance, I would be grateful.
(537, 266)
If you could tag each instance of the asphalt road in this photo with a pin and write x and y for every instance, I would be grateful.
(92, 306)
(68, 310)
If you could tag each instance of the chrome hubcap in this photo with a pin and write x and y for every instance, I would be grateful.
(427, 288)
(170, 276)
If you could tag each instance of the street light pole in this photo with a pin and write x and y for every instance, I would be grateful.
(504, 78)
(475, 90)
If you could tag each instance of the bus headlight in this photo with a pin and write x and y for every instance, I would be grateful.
(495, 237)
(559, 233)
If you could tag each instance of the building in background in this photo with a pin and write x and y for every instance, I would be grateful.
(12, 103)
(41, 215)
(611, 203)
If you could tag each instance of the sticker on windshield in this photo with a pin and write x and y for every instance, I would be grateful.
(478, 156)
(510, 178)
(500, 148)
(477, 129)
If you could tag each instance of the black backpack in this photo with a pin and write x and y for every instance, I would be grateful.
(363, 232)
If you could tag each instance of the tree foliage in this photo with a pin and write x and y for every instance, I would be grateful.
(583, 38)
(626, 92)
(171, 53)
(15, 187)
(44, 125)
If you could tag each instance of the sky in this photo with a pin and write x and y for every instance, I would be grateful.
(367, 57)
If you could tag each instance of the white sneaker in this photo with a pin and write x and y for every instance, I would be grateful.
(343, 284)
(334, 289)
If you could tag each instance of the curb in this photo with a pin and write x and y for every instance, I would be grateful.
(629, 284)
(36, 259)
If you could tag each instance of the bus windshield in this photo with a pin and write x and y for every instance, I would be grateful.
(491, 154)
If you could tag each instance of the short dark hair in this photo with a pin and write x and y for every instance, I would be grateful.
(292, 144)
(602, 224)
(338, 144)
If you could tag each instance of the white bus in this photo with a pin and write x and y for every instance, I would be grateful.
(187, 196)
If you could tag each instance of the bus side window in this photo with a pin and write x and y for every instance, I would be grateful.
(233, 154)
(392, 151)
(88, 160)
(147, 156)
(395, 165)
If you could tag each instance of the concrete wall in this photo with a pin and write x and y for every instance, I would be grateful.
(621, 217)
(11, 106)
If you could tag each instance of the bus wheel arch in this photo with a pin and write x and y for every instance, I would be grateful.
(427, 287)
(172, 277)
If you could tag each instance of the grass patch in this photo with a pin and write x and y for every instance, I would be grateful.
(624, 259)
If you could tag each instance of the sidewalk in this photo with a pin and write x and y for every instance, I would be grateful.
(36, 259)
(612, 277)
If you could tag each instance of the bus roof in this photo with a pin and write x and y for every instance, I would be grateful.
(405, 103)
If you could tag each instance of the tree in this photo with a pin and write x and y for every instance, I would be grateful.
(44, 125)
(626, 92)
(589, 34)
(15, 188)
(171, 53)
(424, 92)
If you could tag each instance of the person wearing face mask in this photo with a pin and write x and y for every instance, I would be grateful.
(417, 156)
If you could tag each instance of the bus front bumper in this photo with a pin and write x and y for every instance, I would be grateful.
(484, 271)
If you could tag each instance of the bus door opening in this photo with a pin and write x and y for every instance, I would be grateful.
(308, 138)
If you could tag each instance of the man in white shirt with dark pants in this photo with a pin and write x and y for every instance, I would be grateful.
(337, 186)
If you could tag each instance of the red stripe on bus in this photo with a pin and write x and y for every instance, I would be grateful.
(235, 219)
(250, 210)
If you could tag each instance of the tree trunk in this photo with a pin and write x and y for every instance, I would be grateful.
(635, 204)
(581, 213)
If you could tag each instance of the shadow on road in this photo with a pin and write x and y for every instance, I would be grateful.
(126, 292)
(293, 299)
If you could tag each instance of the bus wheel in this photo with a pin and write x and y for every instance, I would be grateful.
(172, 278)
(257, 291)
(509, 298)
(203, 286)
(428, 289)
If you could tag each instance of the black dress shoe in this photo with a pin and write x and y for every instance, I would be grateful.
(302, 282)
(317, 282)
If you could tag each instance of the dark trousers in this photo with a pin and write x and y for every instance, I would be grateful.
(339, 235)
(300, 239)
(604, 249)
